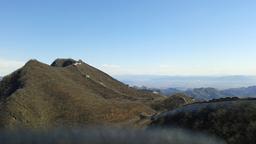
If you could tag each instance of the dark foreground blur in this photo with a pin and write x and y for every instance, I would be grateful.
(105, 136)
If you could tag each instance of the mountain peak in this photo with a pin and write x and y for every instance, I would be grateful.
(33, 63)
(60, 62)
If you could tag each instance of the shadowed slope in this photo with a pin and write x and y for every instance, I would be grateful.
(234, 121)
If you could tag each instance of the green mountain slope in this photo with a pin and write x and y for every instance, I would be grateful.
(68, 93)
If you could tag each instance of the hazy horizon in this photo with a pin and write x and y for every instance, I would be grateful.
(189, 82)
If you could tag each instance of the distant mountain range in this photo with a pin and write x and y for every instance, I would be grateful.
(211, 93)
(208, 93)
(188, 82)
(205, 93)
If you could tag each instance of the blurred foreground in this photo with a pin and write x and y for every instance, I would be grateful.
(105, 136)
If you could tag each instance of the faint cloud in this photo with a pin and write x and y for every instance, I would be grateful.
(112, 69)
(164, 66)
(111, 66)
(8, 66)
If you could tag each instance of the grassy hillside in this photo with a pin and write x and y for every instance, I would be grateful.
(68, 93)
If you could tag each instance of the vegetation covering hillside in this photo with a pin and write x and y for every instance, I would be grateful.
(173, 102)
(69, 93)
(234, 121)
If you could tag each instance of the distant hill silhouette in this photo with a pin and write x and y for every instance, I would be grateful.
(241, 92)
(207, 93)
(204, 93)
(69, 93)
(212, 93)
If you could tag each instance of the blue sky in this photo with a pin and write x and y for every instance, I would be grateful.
(159, 37)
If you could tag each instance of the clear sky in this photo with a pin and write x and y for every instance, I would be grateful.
(160, 37)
